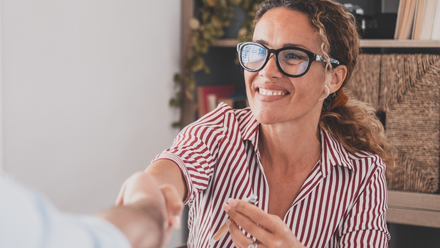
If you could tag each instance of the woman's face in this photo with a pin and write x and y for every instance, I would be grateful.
(274, 97)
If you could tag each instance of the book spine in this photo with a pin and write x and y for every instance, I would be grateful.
(435, 35)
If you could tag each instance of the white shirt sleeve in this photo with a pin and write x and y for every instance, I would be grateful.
(28, 220)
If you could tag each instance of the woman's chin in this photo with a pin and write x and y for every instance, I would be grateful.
(267, 117)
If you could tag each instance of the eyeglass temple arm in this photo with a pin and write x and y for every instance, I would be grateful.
(332, 61)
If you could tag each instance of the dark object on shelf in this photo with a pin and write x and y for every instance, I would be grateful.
(386, 25)
(368, 28)
(378, 26)
(358, 13)
(406, 87)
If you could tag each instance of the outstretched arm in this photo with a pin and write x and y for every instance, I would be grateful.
(166, 176)
(25, 213)
(142, 217)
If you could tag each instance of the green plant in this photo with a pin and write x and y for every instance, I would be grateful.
(249, 6)
(207, 26)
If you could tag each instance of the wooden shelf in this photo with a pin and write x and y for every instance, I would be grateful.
(410, 208)
(364, 43)
(401, 43)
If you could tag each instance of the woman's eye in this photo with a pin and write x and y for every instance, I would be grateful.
(292, 56)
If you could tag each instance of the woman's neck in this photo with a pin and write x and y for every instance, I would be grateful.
(289, 148)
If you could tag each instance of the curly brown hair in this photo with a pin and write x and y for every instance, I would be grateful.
(353, 123)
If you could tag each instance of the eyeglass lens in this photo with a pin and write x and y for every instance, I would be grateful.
(291, 61)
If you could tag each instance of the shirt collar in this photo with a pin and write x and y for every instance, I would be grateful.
(332, 152)
(250, 127)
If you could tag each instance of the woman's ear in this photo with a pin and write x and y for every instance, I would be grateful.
(338, 75)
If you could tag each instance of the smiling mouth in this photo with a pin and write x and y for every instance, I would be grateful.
(266, 92)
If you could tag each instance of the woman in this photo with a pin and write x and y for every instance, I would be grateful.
(312, 157)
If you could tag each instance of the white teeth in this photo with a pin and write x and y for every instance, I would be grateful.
(265, 92)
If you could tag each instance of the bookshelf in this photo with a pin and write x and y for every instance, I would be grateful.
(410, 208)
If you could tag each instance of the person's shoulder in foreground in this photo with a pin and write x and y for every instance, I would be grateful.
(28, 220)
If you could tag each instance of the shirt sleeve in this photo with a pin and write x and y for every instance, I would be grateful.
(29, 220)
(365, 225)
(195, 150)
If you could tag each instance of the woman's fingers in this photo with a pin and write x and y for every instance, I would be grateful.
(174, 208)
(174, 205)
(269, 222)
(239, 239)
(248, 224)
(269, 230)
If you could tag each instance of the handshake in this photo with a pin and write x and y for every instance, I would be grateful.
(145, 212)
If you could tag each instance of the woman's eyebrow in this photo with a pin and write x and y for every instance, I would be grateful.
(265, 43)
(292, 45)
(262, 42)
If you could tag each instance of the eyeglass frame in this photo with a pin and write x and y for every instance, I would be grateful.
(312, 57)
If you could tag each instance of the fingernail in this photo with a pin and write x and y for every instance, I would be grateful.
(232, 202)
(226, 207)
(228, 223)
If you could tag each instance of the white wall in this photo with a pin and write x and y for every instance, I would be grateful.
(1, 102)
(86, 85)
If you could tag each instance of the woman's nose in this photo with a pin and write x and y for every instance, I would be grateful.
(270, 70)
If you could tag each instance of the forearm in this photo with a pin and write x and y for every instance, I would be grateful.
(142, 223)
(153, 190)
(166, 172)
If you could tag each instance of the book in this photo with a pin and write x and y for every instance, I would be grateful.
(428, 19)
(418, 19)
(207, 95)
(407, 19)
(399, 18)
(435, 33)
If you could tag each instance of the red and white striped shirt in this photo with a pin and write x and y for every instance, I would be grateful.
(342, 203)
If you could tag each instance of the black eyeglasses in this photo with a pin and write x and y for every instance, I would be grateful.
(292, 61)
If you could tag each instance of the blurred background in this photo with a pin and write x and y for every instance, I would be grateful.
(85, 90)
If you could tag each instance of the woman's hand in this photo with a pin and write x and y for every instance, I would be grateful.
(141, 186)
(269, 230)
